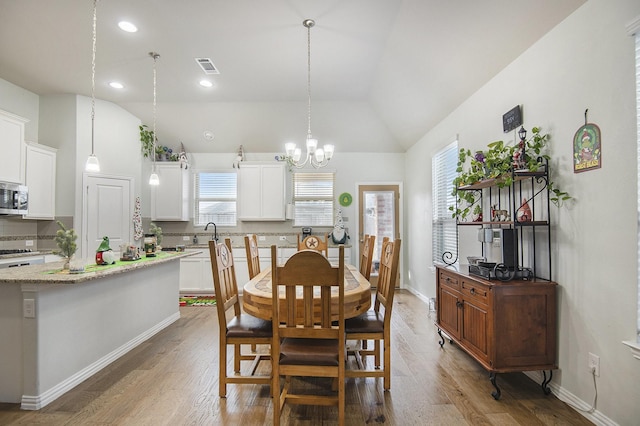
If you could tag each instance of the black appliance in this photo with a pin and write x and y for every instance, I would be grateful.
(13, 199)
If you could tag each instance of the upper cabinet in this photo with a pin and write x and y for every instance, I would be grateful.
(170, 199)
(40, 171)
(12, 146)
(261, 191)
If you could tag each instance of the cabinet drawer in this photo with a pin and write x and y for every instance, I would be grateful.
(475, 291)
(450, 280)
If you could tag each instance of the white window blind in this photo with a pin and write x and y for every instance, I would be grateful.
(443, 166)
(216, 194)
(313, 199)
(637, 37)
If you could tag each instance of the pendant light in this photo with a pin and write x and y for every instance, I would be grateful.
(92, 164)
(153, 179)
(317, 157)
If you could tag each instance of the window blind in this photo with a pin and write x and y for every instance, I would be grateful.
(443, 169)
(313, 199)
(216, 196)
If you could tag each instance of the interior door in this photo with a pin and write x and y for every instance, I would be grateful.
(107, 211)
(379, 213)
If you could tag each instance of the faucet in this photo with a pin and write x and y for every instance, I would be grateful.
(215, 231)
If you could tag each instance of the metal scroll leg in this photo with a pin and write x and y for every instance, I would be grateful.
(441, 342)
(545, 382)
(495, 394)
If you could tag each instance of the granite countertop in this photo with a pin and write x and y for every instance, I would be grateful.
(285, 244)
(51, 273)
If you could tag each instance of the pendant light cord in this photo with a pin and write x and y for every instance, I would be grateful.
(309, 24)
(155, 56)
(93, 75)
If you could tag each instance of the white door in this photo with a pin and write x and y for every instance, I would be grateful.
(107, 211)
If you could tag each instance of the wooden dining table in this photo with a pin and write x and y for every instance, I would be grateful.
(256, 297)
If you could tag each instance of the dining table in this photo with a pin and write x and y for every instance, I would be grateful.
(257, 295)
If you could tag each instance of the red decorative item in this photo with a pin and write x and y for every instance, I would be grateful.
(524, 212)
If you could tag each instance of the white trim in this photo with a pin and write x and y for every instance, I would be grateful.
(635, 348)
(633, 27)
(36, 402)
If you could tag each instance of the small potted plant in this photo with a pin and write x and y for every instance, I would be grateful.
(66, 241)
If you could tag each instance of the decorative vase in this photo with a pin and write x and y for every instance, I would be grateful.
(524, 212)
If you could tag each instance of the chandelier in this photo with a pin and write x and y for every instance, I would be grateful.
(92, 164)
(153, 179)
(317, 157)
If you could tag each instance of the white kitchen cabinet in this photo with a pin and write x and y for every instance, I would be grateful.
(261, 192)
(170, 199)
(12, 147)
(195, 273)
(40, 178)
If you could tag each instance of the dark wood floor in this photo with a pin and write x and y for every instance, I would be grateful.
(172, 379)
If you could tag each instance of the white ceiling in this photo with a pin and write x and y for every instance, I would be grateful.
(383, 72)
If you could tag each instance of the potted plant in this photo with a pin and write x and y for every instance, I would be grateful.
(147, 140)
(498, 163)
(66, 241)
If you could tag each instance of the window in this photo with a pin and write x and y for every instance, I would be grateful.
(443, 167)
(215, 198)
(313, 199)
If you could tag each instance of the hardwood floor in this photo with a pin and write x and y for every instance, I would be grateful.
(172, 378)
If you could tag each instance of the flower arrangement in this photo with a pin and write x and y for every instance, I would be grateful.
(66, 241)
(498, 162)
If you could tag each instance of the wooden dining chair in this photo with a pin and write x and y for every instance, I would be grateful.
(240, 328)
(253, 258)
(301, 345)
(314, 242)
(375, 324)
(366, 256)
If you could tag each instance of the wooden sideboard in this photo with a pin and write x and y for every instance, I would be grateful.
(506, 326)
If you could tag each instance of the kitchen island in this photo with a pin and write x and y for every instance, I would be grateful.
(57, 329)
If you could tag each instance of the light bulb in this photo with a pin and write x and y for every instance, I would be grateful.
(92, 164)
(153, 179)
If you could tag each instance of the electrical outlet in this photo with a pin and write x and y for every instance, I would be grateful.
(594, 364)
(29, 308)
(185, 238)
(29, 243)
(262, 238)
(283, 238)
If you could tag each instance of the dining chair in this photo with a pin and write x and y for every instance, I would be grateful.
(241, 328)
(253, 258)
(302, 346)
(375, 324)
(314, 242)
(368, 245)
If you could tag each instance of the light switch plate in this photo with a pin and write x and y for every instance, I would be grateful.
(29, 308)
(262, 238)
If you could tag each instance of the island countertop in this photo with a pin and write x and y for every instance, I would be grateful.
(52, 273)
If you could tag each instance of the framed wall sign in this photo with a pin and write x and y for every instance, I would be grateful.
(512, 119)
(587, 152)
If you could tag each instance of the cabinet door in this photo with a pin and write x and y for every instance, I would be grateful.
(249, 192)
(449, 312)
(12, 145)
(273, 186)
(170, 199)
(190, 274)
(41, 181)
(475, 323)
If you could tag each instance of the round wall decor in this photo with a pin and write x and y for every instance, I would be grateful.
(345, 199)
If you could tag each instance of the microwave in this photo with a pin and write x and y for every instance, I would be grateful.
(14, 199)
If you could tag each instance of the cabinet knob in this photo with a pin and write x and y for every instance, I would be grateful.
(459, 304)
(473, 290)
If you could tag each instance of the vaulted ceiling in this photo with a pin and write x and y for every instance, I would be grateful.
(383, 72)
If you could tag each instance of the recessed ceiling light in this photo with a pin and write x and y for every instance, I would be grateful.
(127, 26)
(206, 83)
(116, 85)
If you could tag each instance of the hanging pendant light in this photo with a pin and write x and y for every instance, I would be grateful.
(317, 157)
(153, 179)
(92, 164)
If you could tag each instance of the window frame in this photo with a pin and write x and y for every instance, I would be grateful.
(328, 216)
(443, 225)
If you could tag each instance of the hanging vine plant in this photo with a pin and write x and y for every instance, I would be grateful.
(497, 163)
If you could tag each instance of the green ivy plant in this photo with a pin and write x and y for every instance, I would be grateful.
(497, 163)
(146, 140)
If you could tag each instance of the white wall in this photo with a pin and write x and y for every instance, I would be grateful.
(587, 61)
(21, 102)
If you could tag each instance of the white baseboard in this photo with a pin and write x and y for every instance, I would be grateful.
(573, 401)
(36, 402)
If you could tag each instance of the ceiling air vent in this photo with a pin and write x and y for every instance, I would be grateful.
(207, 66)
